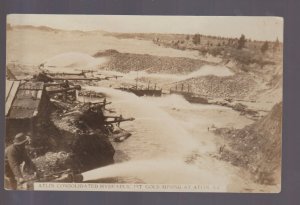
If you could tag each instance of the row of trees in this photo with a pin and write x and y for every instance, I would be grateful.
(241, 43)
(238, 43)
(265, 46)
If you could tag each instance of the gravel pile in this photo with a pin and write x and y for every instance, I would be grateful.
(126, 62)
(237, 86)
(53, 162)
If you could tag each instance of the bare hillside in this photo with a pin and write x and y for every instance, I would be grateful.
(257, 147)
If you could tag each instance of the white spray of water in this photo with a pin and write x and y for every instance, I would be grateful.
(73, 62)
(203, 71)
(159, 171)
(177, 101)
(162, 148)
(211, 70)
(158, 131)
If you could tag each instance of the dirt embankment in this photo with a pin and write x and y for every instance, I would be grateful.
(70, 141)
(256, 147)
(126, 62)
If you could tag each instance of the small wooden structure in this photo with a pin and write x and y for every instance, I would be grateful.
(26, 104)
(189, 96)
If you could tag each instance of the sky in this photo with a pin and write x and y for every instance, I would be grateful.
(258, 28)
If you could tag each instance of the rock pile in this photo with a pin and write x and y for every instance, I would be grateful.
(53, 162)
(237, 86)
(126, 62)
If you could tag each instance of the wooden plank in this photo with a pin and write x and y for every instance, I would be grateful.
(8, 86)
(11, 96)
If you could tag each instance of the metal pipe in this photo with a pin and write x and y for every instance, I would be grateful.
(77, 87)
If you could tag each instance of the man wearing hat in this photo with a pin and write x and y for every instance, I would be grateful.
(15, 155)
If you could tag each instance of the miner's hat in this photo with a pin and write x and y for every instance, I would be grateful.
(21, 138)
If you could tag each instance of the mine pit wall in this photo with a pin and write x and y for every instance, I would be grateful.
(257, 147)
(87, 151)
(92, 151)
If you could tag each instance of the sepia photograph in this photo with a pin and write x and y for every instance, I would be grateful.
(143, 103)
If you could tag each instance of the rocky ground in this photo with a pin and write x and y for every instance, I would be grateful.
(256, 147)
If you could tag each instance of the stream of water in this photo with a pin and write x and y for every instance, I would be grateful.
(171, 142)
